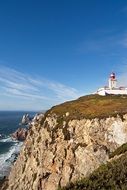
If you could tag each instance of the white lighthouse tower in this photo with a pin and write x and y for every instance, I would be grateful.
(112, 88)
(112, 81)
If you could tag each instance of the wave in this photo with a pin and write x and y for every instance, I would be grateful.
(8, 158)
(7, 139)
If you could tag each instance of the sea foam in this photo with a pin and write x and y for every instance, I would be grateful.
(6, 159)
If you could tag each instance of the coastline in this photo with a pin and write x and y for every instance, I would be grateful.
(11, 139)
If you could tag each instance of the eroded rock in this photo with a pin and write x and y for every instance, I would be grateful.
(20, 134)
(48, 159)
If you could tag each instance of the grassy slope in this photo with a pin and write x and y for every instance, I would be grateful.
(92, 106)
(111, 176)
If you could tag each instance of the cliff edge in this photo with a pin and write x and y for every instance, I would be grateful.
(69, 142)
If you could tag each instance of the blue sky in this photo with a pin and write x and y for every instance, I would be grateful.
(56, 50)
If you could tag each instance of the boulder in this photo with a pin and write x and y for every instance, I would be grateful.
(20, 134)
(25, 119)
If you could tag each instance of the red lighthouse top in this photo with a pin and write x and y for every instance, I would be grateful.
(112, 76)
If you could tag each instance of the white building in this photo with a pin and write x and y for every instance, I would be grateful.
(112, 87)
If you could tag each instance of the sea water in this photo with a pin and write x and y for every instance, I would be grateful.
(9, 123)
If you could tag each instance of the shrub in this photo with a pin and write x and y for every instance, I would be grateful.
(111, 176)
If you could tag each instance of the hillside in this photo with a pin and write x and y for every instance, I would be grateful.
(112, 175)
(70, 142)
(92, 106)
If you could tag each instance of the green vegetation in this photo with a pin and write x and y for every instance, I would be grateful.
(92, 106)
(112, 176)
(122, 149)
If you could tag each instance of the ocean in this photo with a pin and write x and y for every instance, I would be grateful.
(9, 123)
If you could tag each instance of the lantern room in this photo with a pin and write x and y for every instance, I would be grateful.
(112, 81)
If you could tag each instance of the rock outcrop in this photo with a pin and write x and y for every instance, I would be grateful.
(20, 134)
(55, 154)
(59, 150)
(26, 119)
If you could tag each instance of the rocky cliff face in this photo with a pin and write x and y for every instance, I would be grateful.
(59, 150)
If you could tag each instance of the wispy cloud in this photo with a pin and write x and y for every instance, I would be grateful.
(104, 40)
(123, 41)
(124, 10)
(98, 44)
(16, 84)
(122, 75)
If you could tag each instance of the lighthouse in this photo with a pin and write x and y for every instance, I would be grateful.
(112, 88)
(112, 81)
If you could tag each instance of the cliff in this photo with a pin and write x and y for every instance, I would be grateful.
(69, 142)
(109, 176)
